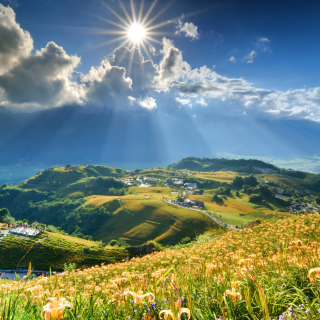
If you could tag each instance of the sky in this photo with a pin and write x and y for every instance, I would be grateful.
(188, 63)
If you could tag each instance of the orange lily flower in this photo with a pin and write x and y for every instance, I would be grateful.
(55, 308)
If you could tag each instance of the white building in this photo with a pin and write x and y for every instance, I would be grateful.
(150, 179)
(190, 186)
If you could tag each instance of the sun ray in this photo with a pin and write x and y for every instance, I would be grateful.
(148, 13)
(126, 13)
(111, 22)
(146, 49)
(140, 12)
(153, 40)
(115, 13)
(130, 61)
(133, 11)
(147, 23)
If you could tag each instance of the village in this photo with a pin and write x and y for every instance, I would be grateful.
(299, 201)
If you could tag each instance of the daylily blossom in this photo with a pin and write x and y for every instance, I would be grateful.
(234, 294)
(317, 271)
(138, 297)
(55, 308)
(173, 314)
(167, 313)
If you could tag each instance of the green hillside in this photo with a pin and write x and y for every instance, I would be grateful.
(58, 176)
(206, 164)
(104, 204)
(54, 250)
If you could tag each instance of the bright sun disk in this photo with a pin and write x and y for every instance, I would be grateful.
(136, 32)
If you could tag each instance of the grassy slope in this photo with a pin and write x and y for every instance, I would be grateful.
(63, 175)
(145, 219)
(169, 223)
(54, 251)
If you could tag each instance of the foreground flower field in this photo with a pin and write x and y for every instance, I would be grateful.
(269, 271)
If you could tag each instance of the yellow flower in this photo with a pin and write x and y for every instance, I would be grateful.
(138, 297)
(317, 271)
(234, 294)
(55, 308)
(167, 313)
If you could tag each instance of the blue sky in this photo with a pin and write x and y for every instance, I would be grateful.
(209, 61)
(268, 47)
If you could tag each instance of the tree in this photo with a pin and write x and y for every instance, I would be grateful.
(3, 214)
(251, 181)
(238, 182)
(113, 243)
(317, 200)
(255, 198)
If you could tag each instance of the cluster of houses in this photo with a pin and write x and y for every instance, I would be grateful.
(179, 182)
(296, 207)
(184, 172)
(189, 203)
(139, 181)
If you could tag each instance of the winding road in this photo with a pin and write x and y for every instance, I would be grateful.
(228, 226)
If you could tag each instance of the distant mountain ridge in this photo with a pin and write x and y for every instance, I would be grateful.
(215, 164)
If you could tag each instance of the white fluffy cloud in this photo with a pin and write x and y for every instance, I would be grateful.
(202, 102)
(188, 29)
(108, 86)
(142, 72)
(15, 43)
(183, 102)
(148, 103)
(171, 66)
(42, 79)
(232, 59)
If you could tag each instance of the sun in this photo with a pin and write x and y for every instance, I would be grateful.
(132, 27)
(136, 33)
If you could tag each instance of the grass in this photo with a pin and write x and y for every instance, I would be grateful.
(237, 220)
(150, 219)
(54, 251)
(265, 272)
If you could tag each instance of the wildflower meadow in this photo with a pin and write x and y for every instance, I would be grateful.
(266, 272)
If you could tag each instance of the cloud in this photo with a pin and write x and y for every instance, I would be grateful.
(202, 102)
(188, 29)
(232, 59)
(148, 103)
(43, 79)
(142, 72)
(183, 101)
(262, 39)
(107, 86)
(153, 50)
(15, 43)
(171, 66)
(236, 95)
(250, 56)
